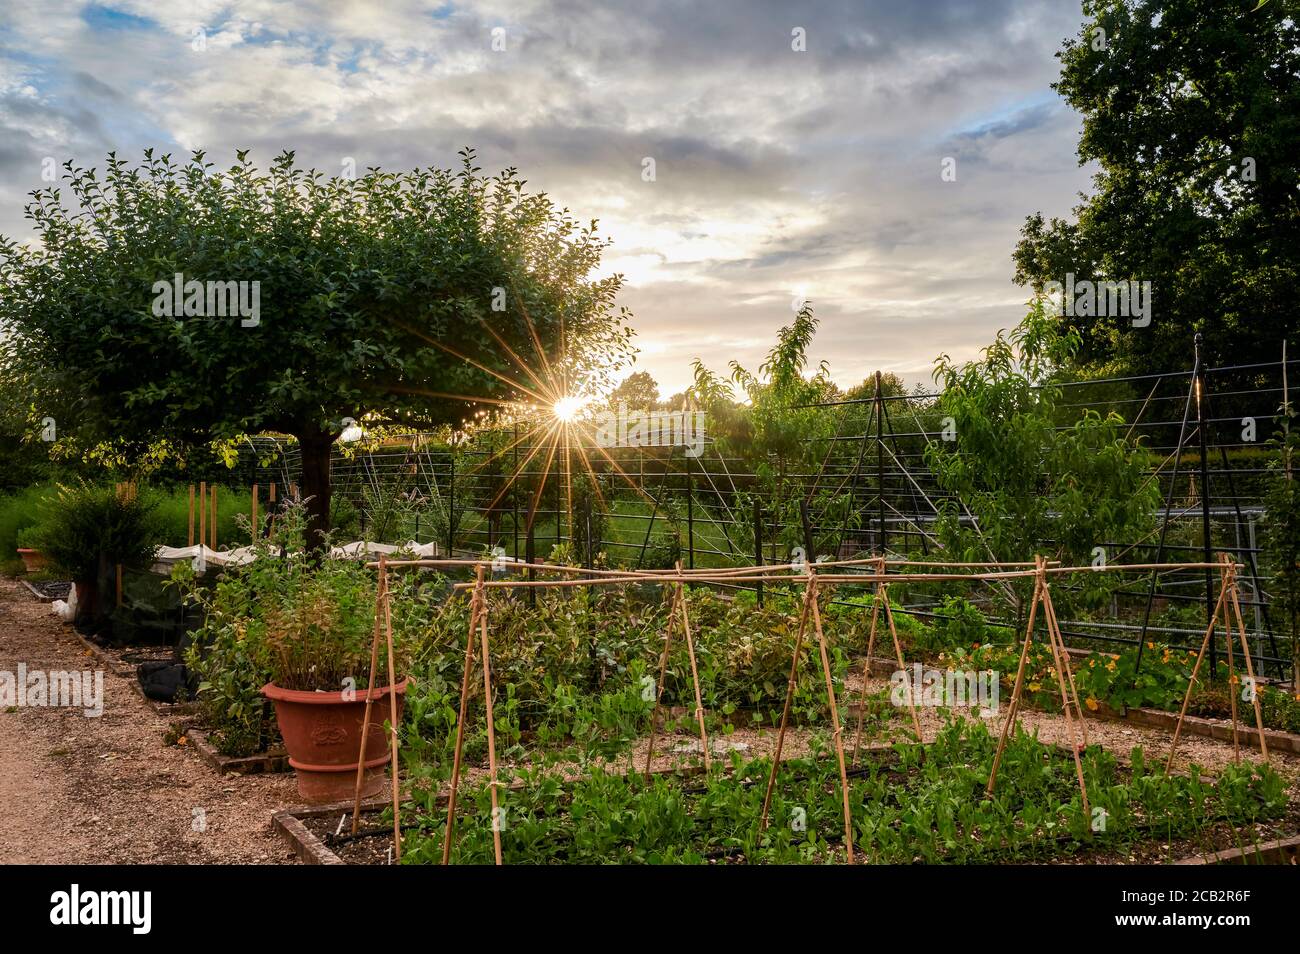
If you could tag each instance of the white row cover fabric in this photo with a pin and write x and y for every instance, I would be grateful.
(204, 556)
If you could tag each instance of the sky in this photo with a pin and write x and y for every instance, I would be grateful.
(779, 173)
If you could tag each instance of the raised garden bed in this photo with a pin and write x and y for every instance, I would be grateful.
(901, 806)
(273, 760)
(47, 591)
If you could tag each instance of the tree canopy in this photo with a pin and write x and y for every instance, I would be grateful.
(1192, 110)
(410, 298)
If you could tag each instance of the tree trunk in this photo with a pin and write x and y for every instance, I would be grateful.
(316, 449)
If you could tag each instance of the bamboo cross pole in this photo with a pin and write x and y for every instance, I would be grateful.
(370, 694)
(476, 604)
(789, 699)
(835, 721)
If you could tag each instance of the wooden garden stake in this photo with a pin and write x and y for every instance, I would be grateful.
(1245, 651)
(394, 769)
(271, 506)
(659, 686)
(190, 538)
(370, 692)
(1068, 666)
(476, 603)
(1232, 689)
(1049, 615)
(789, 699)
(254, 522)
(1196, 668)
(866, 664)
(491, 732)
(835, 721)
(695, 676)
(203, 513)
(902, 665)
(1020, 678)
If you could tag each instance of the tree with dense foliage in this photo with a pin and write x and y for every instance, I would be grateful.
(1012, 478)
(1191, 108)
(638, 392)
(407, 298)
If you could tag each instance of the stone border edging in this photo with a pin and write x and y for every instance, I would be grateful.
(1280, 851)
(263, 763)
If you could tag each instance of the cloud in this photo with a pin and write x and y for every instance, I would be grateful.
(776, 170)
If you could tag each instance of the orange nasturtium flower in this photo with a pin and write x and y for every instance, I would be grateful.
(1091, 703)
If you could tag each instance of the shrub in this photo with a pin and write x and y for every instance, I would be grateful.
(84, 522)
(18, 512)
(301, 623)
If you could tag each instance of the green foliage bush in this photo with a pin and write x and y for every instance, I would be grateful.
(18, 512)
(84, 522)
(300, 623)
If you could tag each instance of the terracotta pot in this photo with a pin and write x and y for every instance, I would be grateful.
(33, 559)
(322, 734)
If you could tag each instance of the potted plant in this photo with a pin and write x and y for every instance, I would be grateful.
(33, 559)
(316, 638)
(300, 628)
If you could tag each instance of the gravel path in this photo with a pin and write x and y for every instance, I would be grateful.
(108, 790)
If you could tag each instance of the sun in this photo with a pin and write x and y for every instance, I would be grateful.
(567, 408)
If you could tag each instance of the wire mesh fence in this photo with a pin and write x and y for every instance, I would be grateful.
(864, 488)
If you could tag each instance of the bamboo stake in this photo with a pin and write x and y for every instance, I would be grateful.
(835, 722)
(491, 733)
(1250, 667)
(1016, 689)
(203, 513)
(659, 686)
(475, 607)
(190, 538)
(370, 693)
(1191, 680)
(254, 522)
(789, 701)
(695, 676)
(395, 768)
(1064, 659)
(866, 674)
(1232, 687)
(1049, 615)
(271, 506)
(902, 665)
